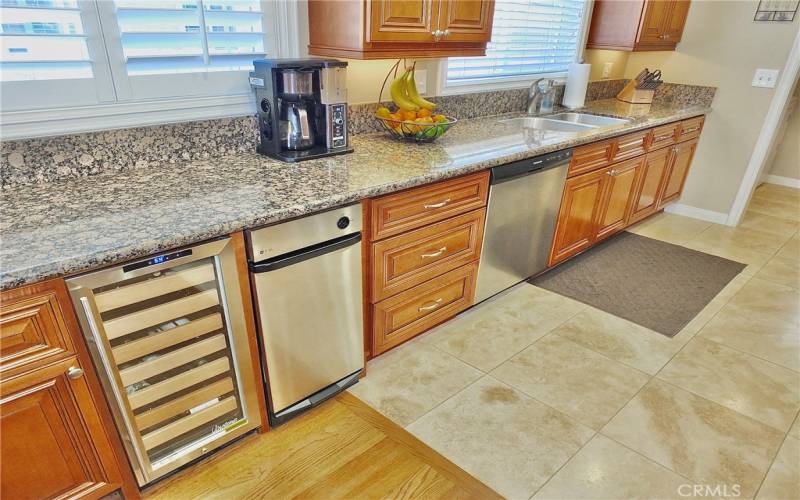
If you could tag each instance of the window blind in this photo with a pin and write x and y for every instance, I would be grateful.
(43, 40)
(529, 37)
(189, 36)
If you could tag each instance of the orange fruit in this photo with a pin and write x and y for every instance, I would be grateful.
(422, 113)
(409, 115)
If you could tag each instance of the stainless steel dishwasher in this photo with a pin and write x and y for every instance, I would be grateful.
(524, 198)
(306, 275)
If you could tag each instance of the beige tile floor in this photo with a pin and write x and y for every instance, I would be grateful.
(538, 395)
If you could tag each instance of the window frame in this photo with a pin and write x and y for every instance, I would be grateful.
(115, 106)
(443, 87)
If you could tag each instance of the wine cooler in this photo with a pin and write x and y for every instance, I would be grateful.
(168, 338)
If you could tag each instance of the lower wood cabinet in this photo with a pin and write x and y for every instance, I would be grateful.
(601, 199)
(577, 219)
(57, 436)
(618, 197)
(414, 311)
(422, 251)
(681, 157)
(645, 201)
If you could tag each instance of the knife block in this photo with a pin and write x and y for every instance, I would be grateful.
(632, 95)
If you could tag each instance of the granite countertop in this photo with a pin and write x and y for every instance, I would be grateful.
(66, 227)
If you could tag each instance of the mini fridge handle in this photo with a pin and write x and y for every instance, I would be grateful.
(297, 256)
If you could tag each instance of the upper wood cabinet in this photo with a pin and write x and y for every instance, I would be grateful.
(637, 24)
(385, 29)
(58, 439)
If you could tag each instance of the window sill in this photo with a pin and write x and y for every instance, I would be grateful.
(49, 122)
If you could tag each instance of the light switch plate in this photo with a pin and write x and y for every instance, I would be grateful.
(766, 78)
(607, 69)
(421, 79)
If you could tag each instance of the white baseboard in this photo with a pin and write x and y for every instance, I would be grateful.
(697, 213)
(782, 181)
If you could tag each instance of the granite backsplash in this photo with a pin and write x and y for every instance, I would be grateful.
(47, 159)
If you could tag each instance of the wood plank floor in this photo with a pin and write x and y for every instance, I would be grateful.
(342, 449)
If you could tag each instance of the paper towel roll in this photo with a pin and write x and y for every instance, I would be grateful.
(577, 81)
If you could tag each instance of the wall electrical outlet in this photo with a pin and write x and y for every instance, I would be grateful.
(607, 67)
(421, 79)
(766, 78)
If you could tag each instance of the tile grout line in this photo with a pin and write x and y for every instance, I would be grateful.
(777, 451)
(485, 373)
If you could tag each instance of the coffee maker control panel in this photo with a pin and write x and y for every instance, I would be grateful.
(338, 125)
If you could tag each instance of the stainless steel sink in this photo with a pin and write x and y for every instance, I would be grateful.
(587, 119)
(538, 123)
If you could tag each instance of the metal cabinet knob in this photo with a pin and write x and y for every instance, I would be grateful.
(74, 372)
(446, 33)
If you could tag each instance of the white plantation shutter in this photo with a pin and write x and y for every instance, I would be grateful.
(51, 53)
(178, 48)
(57, 53)
(529, 37)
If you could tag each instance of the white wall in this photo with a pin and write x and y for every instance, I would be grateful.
(785, 161)
(722, 47)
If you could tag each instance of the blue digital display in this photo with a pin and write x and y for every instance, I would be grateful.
(159, 259)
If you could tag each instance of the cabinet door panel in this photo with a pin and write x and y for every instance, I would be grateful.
(578, 216)
(649, 184)
(32, 332)
(673, 28)
(466, 20)
(403, 20)
(53, 443)
(675, 178)
(619, 196)
(654, 21)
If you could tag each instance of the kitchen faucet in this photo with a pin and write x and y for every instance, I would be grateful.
(539, 100)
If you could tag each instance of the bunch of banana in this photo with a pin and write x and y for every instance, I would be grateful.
(405, 95)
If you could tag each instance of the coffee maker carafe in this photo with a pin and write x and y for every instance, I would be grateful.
(302, 107)
(296, 96)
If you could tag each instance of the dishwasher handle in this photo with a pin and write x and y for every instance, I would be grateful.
(297, 256)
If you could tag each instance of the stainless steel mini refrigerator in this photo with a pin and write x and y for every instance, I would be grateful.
(306, 277)
(167, 335)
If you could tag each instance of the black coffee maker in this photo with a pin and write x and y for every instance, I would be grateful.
(302, 107)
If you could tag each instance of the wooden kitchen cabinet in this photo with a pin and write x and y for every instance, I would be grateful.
(677, 170)
(645, 199)
(581, 205)
(421, 250)
(58, 439)
(618, 197)
(637, 25)
(466, 20)
(387, 29)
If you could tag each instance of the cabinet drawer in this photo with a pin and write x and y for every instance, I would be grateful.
(416, 310)
(590, 157)
(689, 129)
(663, 136)
(403, 261)
(630, 146)
(32, 330)
(400, 212)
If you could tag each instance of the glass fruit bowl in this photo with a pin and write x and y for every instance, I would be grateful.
(415, 130)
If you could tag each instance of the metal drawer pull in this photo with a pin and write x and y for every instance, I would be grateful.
(434, 254)
(662, 137)
(690, 130)
(432, 305)
(74, 372)
(612, 173)
(438, 205)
